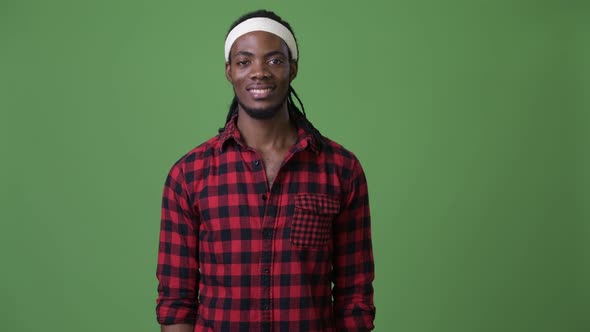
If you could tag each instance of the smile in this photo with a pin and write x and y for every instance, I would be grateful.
(260, 93)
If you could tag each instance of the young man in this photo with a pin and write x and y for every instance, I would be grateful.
(259, 221)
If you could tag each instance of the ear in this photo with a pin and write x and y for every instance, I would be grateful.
(228, 72)
(293, 70)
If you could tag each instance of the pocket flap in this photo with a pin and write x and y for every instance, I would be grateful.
(318, 203)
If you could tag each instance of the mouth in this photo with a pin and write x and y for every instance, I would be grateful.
(260, 92)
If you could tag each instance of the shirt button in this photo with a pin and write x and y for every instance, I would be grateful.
(266, 270)
(257, 162)
(264, 197)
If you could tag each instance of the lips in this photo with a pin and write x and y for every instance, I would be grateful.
(260, 91)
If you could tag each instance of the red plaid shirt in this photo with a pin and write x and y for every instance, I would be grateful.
(236, 255)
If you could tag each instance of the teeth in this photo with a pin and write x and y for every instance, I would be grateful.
(260, 90)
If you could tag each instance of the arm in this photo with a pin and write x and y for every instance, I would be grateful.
(353, 259)
(178, 328)
(178, 265)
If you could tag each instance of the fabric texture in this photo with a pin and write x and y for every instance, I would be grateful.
(236, 255)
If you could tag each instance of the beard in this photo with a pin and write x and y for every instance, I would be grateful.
(263, 113)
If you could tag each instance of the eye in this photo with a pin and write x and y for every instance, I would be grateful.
(242, 63)
(275, 61)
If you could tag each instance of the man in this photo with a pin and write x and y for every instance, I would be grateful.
(259, 221)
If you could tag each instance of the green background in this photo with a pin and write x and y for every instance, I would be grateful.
(471, 119)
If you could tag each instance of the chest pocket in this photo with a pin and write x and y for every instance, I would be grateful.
(311, 226)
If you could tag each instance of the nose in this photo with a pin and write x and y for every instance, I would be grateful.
(259, 70)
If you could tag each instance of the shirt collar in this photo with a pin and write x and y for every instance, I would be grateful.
(305, 138)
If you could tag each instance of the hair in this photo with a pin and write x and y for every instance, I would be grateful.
(298, 115)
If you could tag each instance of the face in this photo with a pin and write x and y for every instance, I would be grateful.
(260, 72)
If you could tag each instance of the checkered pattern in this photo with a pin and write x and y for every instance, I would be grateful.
(236, 255)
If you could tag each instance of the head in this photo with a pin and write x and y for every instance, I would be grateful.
(261, 62)
(261, 65)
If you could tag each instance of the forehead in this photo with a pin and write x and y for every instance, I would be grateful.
(259, 42)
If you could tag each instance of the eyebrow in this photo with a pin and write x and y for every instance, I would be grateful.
(271, 53)
(274, 53)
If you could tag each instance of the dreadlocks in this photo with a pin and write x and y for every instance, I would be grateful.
(298, 115)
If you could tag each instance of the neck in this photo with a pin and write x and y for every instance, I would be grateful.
(276, 133)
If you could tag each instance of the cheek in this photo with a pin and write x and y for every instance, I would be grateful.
(235, 73)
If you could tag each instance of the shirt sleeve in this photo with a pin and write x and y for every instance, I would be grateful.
(353, 264)
(178, 266)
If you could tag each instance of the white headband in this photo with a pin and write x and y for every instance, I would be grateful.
(261, 24)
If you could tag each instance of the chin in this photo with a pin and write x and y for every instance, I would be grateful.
(262, 113)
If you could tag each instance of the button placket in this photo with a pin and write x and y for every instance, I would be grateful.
(271, 200)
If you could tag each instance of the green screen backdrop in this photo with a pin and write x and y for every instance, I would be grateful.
(471, 119)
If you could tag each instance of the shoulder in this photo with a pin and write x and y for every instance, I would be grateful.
(333, 147)
(191, 164)
(338, 152)
(200, 152)
(345, 161)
